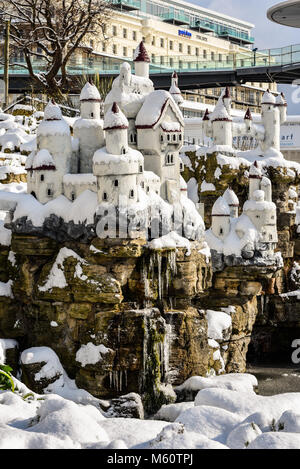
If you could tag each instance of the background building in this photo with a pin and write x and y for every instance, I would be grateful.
(182, 35)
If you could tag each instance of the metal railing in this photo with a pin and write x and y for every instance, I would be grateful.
(110, 65)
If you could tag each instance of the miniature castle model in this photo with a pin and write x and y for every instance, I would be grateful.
(220, 127)
(254, 232)
(132, 154)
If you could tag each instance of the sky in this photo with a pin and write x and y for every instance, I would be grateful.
(267, 34)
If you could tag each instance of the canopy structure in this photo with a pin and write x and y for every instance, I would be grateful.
(286, 13)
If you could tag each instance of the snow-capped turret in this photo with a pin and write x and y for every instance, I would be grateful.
(248, 120)
(141, 61)
(271, 121)
(175, 91)
(266, 186)
(52, 159)
(233, 202)
(116, 130)
(262, 214)
(268, 98)
(255, 177)
(282, 105)
(89, 128)
(90, 102)
(221, 124)
(220, 225)
(226, 96)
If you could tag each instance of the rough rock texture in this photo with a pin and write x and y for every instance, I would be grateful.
(116, 293)
(268, 321)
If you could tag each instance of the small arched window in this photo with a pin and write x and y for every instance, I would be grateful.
(221, 231)
(131, 194)
(104, 196)
(42, 177)
(116, 183)
(123, 151)
(92, 114)
(73, 196)
(141, 169)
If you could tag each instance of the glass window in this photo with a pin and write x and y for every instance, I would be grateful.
(124, 33)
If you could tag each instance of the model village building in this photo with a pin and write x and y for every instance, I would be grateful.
(135, 147)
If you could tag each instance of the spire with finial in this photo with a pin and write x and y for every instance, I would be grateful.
(206, 115)
(141, 54)
(115, 119)
(248, 115)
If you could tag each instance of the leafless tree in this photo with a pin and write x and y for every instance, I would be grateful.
(51, 31)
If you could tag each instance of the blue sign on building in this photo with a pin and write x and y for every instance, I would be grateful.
(184, 33)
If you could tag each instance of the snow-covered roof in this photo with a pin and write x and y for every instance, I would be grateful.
(221, 208)
(115, 119)
(280, 100)
(268, 98)
(52, 112)
(141, 54)
(90, 93)
(255, 171)
(152, 111)
(42, 160)
(170, 126)
(231, 198)
(220, 112)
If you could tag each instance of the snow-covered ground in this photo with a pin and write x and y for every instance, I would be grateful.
(226, 414)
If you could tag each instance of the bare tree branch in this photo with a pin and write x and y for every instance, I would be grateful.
(52, 30)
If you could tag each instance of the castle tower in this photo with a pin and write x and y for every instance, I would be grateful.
(53, 135)
(248, 120)
(262, 214)
(116, 131)
(282, 106)
(220, 225)
(175, 91)
(206, 126)
(89, 128)
(271, 121)
(116, 166)
(141, 61)
(255, 178)
(233, 202)
(226, 96)
(221, 125)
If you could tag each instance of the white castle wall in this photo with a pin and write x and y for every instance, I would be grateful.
(271, 122)
(220, 226)
(40, 182)
(91, 137)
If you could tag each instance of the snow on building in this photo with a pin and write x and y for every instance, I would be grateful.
(220, 126)
(130, 159)
(89, 128)
(254, 233)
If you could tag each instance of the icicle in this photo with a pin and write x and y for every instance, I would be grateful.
(119, 333)
(120, 380)
(110, 379)
(159, 263)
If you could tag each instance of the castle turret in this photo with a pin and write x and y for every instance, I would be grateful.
(220, 225)
(89, 128)
(175, 91)
(226, 96)
(116, 166)
(255, 178)
(248, 120)
(116, 131)
(271, 121)
(233, 202)
(262, 214)
(52, 159)
(282, 106)
(141, 61)
(221, 125)
(206, 126)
